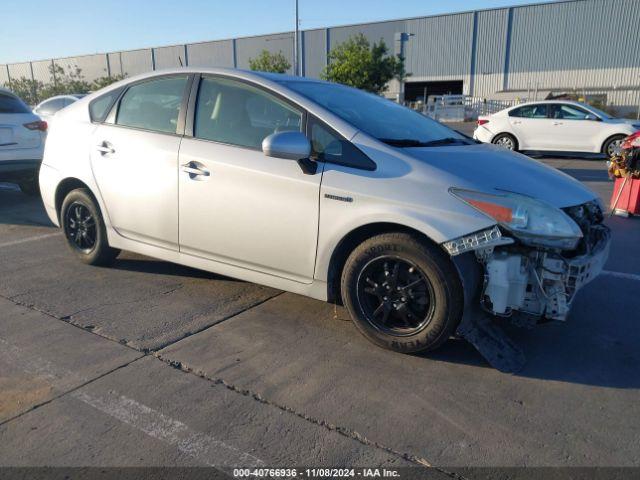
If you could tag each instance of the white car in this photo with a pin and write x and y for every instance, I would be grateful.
(49, 107)
(555, 126)
(22, 136)
(322, 190)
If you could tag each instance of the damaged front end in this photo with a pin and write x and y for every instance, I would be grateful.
(525, 277)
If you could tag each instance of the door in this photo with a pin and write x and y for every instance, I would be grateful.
(135, 161)
(531, 126)
(574, 129)
(237, 205)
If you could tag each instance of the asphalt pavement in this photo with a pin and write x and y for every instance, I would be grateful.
(152, 364)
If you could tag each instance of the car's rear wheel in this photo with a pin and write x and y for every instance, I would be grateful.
(84, 229)
(506, 140)
(612, 145)
(403, 293)
(31, 188)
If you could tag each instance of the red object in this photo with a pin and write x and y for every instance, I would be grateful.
(630, 198)
(482, 121)
(37, 125)
(631, 141)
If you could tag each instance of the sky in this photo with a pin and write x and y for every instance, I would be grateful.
(40, 29)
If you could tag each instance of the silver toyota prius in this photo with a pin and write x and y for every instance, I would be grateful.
(325, 191)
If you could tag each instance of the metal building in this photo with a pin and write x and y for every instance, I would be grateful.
(591, 47)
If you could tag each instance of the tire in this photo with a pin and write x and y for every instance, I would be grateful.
(506, 140)
(31, 188)
(84, 229)
(611, 143)
(421, 315)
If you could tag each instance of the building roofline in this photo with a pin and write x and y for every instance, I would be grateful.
(291, 32)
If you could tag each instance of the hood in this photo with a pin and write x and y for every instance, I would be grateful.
(623, 121)
(488, 167)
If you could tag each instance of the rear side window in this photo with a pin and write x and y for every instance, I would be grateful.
(11, 104)
(235, 113)
(329, 146)
(52, 106)
(530, 111)
(153, 105)
(100, 107)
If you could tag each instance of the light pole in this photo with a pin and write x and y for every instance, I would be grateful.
(295, 43)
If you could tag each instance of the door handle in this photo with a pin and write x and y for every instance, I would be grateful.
(193, 170)
(517, 122)
(557, 123)
(104, 148)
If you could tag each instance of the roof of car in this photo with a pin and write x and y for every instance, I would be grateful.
(538, 102)
(7, 91)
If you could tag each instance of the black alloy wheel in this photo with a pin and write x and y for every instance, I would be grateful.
(395, 296)
(80, 228)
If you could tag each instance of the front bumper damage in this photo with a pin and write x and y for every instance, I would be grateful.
(528, 285)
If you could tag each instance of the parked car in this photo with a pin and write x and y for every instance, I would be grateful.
(22, 135)
(322, 190)
(49, 107)
(556, 126)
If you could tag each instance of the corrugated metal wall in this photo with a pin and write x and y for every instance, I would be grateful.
(211, 54)
(581, 44)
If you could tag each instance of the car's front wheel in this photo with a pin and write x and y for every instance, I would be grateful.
(403, 293)
(84, 229)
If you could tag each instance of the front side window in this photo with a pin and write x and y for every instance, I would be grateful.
(378, 117)
(568, 112)
(153, 105)
(11, 104)
(530, 111)
(235, 113)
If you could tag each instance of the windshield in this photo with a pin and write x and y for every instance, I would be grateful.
(376, 116)
(599, 112)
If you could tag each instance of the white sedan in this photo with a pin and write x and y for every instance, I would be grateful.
(555, 126)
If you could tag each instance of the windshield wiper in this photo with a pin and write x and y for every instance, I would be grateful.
(408, 142)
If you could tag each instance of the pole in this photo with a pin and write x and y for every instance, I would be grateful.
(295, 43)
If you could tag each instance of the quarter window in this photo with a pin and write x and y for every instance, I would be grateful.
(329, 146)
(530, 111)
(100, 107)
(153, 105)
(233, 112)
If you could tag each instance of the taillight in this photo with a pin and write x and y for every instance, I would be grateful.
(482, 121)
(37, 125)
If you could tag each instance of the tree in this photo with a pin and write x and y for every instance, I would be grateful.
(27, 89)
(102, 82)
(270, 62)
(359, 64)
(62, 82)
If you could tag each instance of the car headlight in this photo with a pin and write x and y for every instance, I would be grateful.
(532, 221)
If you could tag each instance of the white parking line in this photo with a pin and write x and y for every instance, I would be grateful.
(29, 239)
(200, 446)
(624, 276)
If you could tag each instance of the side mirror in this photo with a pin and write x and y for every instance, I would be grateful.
(591, 117)
(289, 145)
